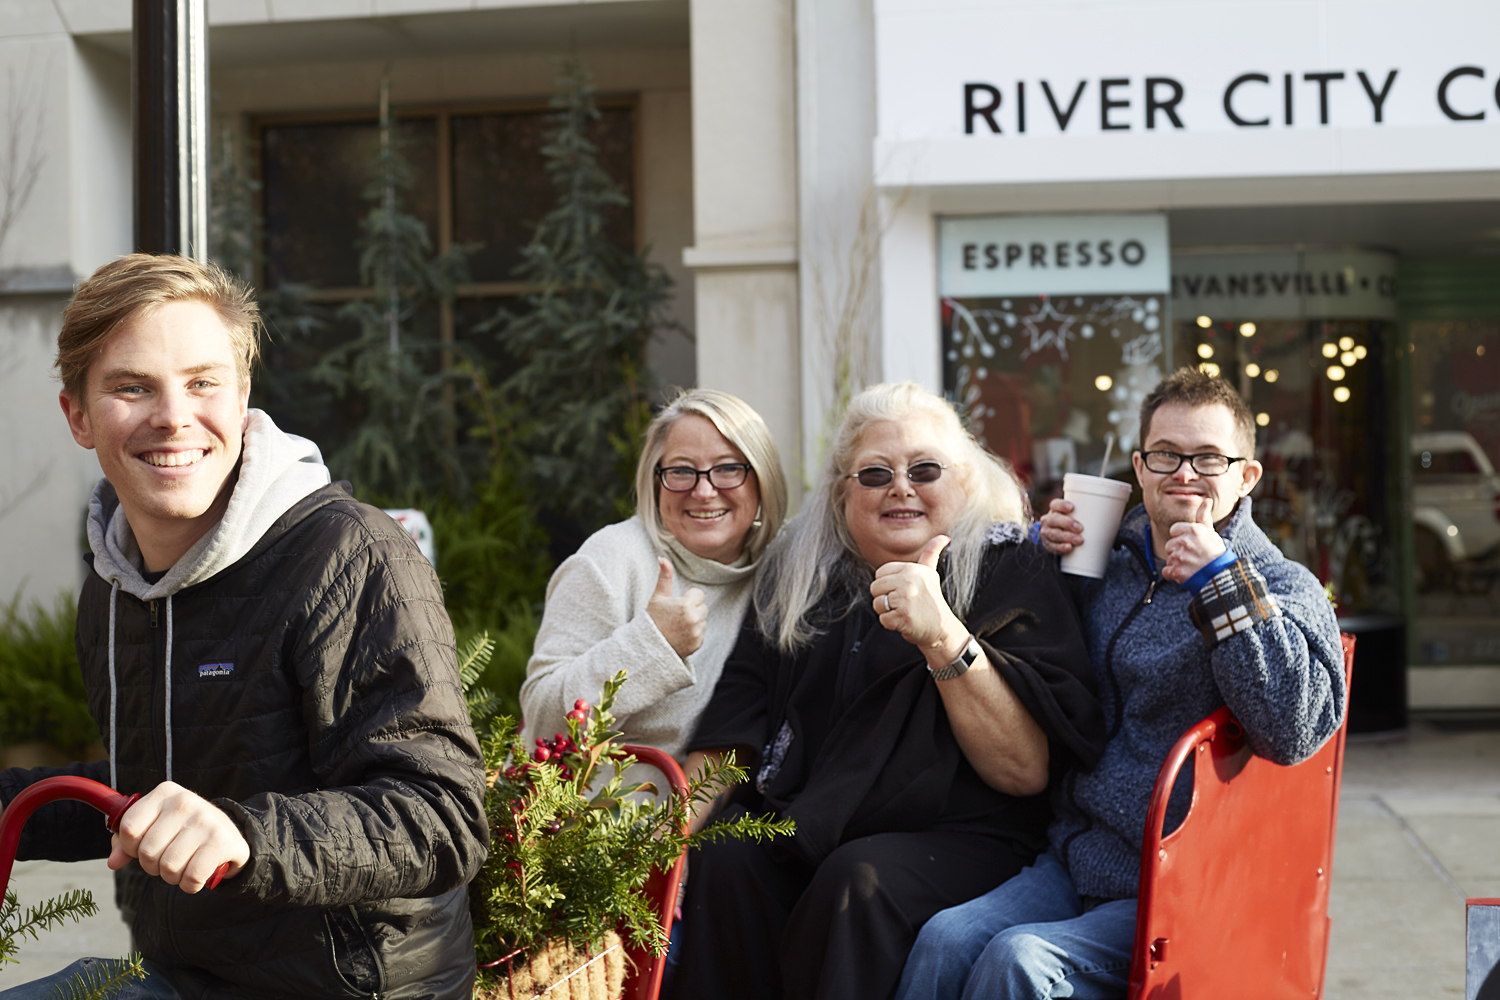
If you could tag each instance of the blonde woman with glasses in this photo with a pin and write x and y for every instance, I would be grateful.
(914, 674)
(662, 594)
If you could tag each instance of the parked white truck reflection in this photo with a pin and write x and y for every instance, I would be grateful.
(1456, 500)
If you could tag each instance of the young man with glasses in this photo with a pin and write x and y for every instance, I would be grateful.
(1197, 609)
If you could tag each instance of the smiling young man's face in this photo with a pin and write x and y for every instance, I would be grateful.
(1175, 497)
(165, 409)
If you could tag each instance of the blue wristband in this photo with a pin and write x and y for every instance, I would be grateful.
(1200, 579)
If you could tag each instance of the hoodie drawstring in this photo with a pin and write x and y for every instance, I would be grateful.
(168, 686)
(114, 590)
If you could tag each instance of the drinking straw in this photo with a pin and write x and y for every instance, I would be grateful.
(1109, 446)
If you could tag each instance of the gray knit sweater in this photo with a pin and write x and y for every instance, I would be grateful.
(595, 623)
(1260, 637)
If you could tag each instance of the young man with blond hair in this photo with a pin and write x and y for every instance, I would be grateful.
(1197, 609)
(270, 665)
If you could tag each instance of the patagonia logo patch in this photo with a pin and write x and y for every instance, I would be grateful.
(207, 671)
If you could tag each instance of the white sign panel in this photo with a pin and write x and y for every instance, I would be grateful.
(1285, 285)
(1053, 255)
(418, 527)
(986, 91)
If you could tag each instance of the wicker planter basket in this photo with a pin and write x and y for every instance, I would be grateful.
(558, 972)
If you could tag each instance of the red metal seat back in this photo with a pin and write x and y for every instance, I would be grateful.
(1234, 902)
(644, 968)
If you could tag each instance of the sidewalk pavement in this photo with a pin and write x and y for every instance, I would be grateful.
(103, 935)
(1419, 831)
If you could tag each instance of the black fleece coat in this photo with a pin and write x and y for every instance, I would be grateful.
(338, 741)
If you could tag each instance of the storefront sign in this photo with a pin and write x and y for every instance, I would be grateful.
(1356, 285)
(984, 91)
(1053, 255)
(1054, 329)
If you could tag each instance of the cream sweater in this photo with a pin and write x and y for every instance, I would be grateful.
(595, 623)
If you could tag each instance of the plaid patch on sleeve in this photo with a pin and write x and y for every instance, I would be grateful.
(1234, 600)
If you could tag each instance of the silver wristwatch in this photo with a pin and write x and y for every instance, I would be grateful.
(960, 665)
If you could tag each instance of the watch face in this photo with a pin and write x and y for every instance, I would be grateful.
(959, 666)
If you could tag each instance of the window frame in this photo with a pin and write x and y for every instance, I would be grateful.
(443, 114)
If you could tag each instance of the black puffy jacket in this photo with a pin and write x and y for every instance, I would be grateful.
(338, 740)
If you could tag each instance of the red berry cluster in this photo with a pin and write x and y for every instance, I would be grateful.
(563, 752)
(556, 750)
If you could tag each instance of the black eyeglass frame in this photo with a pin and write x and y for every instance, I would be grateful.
(745, 469)
(906, 471)
(1190, 459)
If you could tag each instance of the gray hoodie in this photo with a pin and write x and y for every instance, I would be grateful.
(276, 470)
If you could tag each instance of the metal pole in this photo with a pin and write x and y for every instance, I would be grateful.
(170, 105)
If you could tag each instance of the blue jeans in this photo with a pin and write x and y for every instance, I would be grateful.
(1030, 939)
(154, 987)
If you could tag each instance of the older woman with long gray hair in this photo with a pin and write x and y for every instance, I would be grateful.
(913, 673)
(662, 594)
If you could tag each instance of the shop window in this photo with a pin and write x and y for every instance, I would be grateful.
(1054, 328)
(314, 176)
(479, 178)
(1309, 340)
(501, 189)
(1455, 492)
(1052, 383)
(1319, 390)
(1443, 457)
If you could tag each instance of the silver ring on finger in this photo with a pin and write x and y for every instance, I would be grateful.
(887, 599)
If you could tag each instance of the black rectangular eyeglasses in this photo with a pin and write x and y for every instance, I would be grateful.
(876, 477)
(684, 478)
(1206, 463)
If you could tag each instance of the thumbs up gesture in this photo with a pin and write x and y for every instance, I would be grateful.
(908, 597)
(680, 620)
(1193, 545)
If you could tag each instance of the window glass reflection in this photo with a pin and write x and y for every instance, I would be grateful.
(314, 178)
(1455, 443)
(1320, 395)
(1052, 383)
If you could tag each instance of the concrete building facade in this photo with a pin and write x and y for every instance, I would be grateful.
(847, 191)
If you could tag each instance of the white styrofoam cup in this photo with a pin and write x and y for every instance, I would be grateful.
(1099, 504)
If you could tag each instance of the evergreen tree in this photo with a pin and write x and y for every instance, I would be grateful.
(295, 401)
(405, 440)
(233, 226)
(578, 393)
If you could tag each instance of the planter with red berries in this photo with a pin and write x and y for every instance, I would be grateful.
(560, 901)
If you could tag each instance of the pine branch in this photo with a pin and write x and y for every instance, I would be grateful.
(91, 983)
(474, 657)
(102, 980)
(76, 905)
(572, 844)
(756, 828)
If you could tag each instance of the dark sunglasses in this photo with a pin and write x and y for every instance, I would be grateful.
(878, 476)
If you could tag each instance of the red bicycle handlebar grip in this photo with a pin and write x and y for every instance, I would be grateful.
(65, 786)
(112, 819)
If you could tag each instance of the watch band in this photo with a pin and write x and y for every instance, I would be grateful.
(960, 665)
